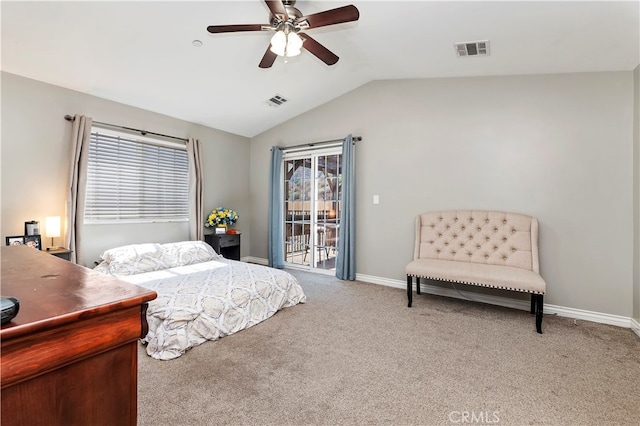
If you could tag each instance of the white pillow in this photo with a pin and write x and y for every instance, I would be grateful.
(135, 259)
(129, 252)
(188, 252)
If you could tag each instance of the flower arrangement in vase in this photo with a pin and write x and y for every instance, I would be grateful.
(221, 217)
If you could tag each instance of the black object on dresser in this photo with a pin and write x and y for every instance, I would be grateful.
(228, 245)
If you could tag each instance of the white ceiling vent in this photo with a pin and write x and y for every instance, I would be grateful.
(276, 100)
(472, 48)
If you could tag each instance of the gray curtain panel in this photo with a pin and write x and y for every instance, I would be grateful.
(276, 211)
(196, 212)
(80, 135)
(346, 259)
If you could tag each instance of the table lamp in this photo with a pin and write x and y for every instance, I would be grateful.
(52, 229)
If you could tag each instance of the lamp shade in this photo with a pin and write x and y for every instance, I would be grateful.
(278, 43)
(52, 229)
(286, 44)
(294, 44)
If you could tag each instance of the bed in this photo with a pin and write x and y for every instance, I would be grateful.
(201, 295)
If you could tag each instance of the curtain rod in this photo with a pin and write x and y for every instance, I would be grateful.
(286, 148)
(142, 132)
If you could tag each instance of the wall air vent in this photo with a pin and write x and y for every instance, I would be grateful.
(276, 100)
(472, 48)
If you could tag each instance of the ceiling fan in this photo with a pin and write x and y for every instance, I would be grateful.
(288, 23)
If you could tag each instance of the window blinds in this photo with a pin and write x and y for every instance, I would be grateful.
(134, 181)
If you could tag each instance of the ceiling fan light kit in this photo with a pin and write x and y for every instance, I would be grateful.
(288, 22)
(286, 43)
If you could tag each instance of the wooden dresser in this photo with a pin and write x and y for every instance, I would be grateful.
(70, 356)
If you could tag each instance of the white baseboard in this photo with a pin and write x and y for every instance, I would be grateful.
(525, 305)
(507, 302)
(581, 314)
(635, 326)
(258, 260)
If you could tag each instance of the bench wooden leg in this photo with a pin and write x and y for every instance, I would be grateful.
(533, 303)
(409, 289)
(539, 304)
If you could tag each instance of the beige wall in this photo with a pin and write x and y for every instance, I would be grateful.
(558, 147)
(35, 162)
(636, 195)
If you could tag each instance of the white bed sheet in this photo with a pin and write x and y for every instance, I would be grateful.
(209, 300)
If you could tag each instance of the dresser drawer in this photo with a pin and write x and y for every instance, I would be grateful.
(229, 240)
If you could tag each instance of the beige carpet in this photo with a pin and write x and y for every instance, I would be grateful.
(354, 354)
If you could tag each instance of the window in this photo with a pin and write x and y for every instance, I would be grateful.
(135, 179)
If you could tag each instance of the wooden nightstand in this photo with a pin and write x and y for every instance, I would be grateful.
(60, 252)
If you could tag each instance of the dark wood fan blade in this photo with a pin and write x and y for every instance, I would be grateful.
(268, 59)
(215, 29)
(330, 17)
(321, 52)
(277, 9)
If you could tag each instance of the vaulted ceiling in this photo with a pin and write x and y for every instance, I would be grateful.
(142, 53)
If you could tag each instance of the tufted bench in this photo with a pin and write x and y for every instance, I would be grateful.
(483, 248)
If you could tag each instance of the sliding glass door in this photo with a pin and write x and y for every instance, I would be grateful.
(312, 188)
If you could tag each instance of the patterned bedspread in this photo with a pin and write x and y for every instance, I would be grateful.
(209, 300)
